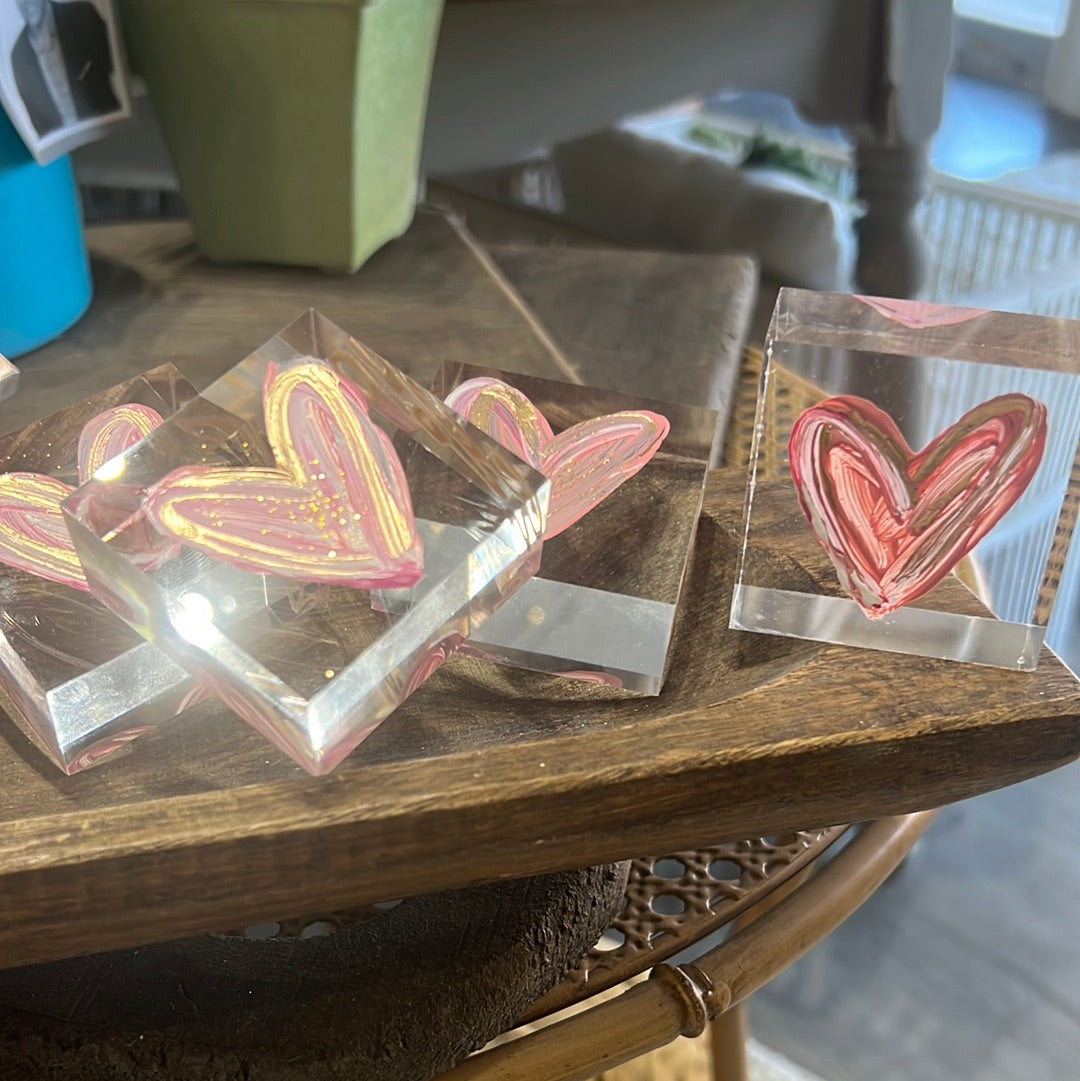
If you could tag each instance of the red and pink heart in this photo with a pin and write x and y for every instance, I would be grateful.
(895, 522)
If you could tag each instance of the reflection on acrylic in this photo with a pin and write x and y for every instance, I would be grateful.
(33, 536)
(76, 681)
(920, 314)
(627, 476)
(585, 463)
(895, 522)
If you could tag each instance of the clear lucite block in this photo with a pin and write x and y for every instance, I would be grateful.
(602, 606)
(74, 678)
(379, 491)
(914, 478)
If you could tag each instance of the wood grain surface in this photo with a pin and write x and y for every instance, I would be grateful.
(485, 773)
(431, 296)
(600, 304)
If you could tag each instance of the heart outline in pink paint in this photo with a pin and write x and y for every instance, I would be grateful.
(334, 508)
(33, 535)
(895, 522)
(585, 463)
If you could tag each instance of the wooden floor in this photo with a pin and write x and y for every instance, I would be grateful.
(964, 967)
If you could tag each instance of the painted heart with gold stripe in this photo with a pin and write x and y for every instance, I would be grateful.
(33, 536)
(585, 463)
(334, 508)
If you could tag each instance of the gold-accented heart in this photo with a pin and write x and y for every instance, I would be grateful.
(585, 463)
(895, 522)
(33, 536)
(335, 508)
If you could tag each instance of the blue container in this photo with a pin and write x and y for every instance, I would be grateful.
(44, 271)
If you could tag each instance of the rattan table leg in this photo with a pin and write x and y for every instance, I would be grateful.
(640, 1020)
(728, 1031)
(727, 1043)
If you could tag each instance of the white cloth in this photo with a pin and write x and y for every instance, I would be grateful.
(648, 192)
(51, 60)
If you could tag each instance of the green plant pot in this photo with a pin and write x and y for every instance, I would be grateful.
(295, 125)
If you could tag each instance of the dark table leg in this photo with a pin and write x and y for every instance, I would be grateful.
(907, 64)
(893, 258)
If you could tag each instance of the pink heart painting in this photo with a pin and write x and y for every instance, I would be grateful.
(895, 522)
(33, 536)
(585, 463)
(334, 508)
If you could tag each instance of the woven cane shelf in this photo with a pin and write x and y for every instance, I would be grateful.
(676, 900)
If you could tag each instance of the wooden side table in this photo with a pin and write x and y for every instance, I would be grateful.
(485, 774)
(750, 735)
(152, 294)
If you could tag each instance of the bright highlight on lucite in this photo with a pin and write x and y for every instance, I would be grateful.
(895, 522)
